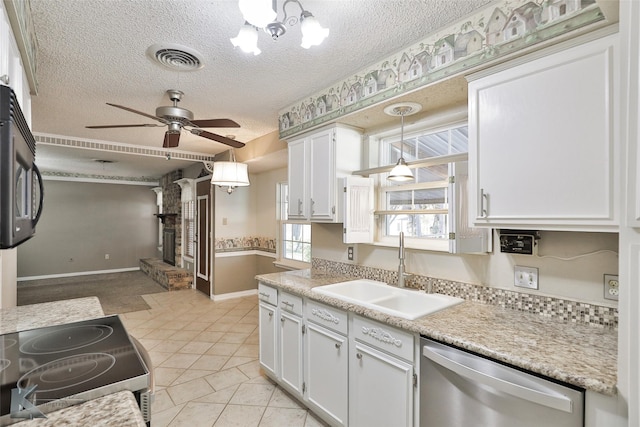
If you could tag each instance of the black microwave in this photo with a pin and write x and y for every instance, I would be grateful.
(21, 188)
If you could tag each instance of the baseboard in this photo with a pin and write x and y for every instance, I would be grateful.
(79, 273)
(232, 295)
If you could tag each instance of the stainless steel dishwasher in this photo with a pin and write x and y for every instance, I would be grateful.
(459, 389)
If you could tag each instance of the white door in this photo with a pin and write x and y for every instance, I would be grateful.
(291, 351)
(542, 148)
(268, 337)
(298, 181)
(380, 389)
(322, 176)
(326, 379)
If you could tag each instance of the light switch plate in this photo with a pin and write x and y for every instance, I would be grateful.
(526, 277)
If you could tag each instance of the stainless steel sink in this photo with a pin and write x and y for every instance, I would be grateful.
(405, 303)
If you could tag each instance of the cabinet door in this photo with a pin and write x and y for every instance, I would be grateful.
(322, 176)
(298, 180)
(326, 367)
(291, 352)
(542, 151)
(268, 327)
(380, 389)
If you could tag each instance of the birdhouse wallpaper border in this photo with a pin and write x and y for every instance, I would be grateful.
(498, 30)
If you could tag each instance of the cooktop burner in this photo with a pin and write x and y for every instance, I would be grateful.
(67, 372)
(68, 363)
(66, 339)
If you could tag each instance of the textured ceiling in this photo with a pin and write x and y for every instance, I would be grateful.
(93, 51)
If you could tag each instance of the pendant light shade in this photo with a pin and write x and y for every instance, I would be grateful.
(401, 172)
(229, 174)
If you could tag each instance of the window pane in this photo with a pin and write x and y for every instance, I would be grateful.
(432, 226)
(433, 145)
(432, 173)
(460, 140)
(433, 198)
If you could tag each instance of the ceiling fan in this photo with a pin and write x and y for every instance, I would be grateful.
(178, 118)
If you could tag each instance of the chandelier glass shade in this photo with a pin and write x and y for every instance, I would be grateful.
(263, 14)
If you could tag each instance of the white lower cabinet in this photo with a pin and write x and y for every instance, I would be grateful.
(326, 357)
(268, 337)
(326, 367)
(381, 375)
(349, 370)
(268, 329)
(291, 330)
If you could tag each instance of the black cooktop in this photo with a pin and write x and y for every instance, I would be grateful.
(67, 364)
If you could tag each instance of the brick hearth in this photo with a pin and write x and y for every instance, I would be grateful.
(170, 277)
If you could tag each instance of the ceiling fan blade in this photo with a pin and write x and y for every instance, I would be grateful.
(160, 119)
(219, 138)
(215, 123)
(171, 140)
(148, 125)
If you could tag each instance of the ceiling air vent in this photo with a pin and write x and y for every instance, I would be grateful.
(175, 57)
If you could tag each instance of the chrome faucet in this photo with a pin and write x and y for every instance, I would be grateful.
(401, 273)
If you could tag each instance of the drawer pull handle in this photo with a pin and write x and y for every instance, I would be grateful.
(287, 303)
(264, 294)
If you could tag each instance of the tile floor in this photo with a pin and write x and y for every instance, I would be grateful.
(205, 357)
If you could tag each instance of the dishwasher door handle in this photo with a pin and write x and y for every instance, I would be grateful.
(558, 401)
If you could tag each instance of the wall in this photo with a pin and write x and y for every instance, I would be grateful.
(81, 222)
(247, 212)
(580, 279)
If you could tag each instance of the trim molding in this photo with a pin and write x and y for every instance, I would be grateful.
(233, 295)
(79, 273)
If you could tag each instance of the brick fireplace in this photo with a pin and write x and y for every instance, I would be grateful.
(171, 218)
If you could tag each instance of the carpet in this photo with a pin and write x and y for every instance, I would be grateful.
(118, 292)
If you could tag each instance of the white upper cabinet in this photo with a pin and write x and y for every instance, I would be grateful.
(316, 162)
(543, 144)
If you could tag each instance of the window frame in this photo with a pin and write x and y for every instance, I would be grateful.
(439, 124)
(283, 221)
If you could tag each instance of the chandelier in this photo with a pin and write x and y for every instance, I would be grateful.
(263, 14)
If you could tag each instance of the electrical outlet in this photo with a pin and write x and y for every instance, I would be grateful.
(526, 277)
(106, 256)
(350, 253)
(611, 287)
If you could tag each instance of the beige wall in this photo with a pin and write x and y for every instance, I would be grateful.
(236, 273)
(81, 222)
(580, 279)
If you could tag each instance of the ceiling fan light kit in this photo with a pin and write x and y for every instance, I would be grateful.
(177, 119)
(263, 14)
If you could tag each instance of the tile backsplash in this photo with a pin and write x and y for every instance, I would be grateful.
(560, 308)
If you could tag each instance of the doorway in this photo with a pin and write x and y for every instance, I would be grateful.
(205, 203)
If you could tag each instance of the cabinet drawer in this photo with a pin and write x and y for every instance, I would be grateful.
(267, 294)
(387, 338)
(327, 316)
(291, 303)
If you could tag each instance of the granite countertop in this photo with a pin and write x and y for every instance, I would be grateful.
(32, 316)
(117, 409)
(578, 354)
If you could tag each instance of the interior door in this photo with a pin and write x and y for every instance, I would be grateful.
(204, 237)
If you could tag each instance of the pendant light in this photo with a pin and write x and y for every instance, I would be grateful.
(401, 172)
(229, 174)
